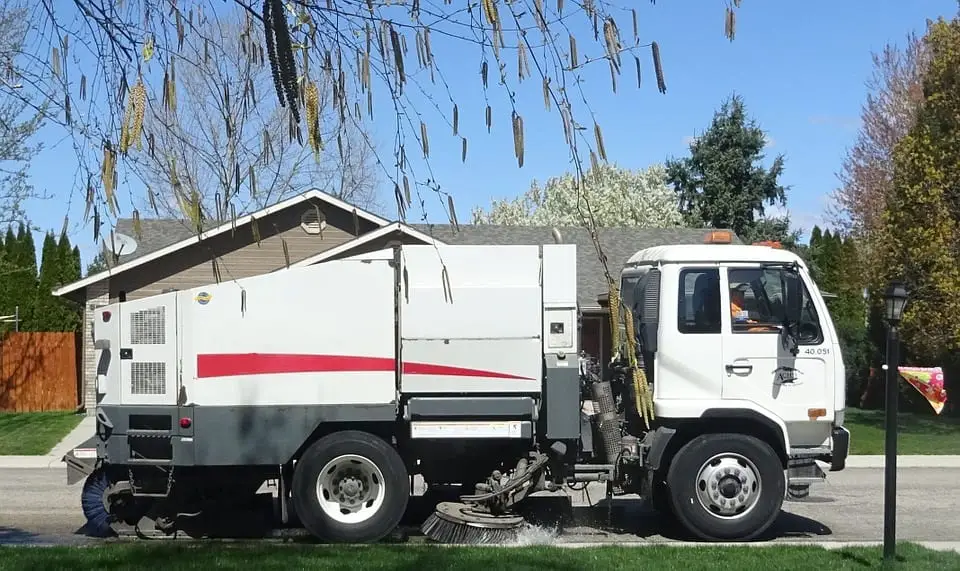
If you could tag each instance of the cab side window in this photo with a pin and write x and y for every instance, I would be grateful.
(698, 307)
(756, 300)
(757, 304)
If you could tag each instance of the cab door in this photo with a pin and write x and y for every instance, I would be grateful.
(758, 365)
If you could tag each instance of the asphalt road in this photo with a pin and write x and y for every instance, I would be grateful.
(37, 507)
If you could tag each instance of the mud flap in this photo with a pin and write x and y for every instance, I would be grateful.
(81, 461)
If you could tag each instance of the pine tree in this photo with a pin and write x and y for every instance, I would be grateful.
(8, 298)
(68, 271)
(47, 307)
(22, 282)
(722, 183)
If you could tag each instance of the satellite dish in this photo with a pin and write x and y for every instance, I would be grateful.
(122, 245)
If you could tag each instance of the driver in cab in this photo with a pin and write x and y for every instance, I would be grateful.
(740, 316)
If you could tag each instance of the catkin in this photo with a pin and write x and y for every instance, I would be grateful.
(658, 67)
(518, 145)
(614, 303)
(312, 97)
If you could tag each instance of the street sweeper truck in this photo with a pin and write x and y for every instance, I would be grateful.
(339, 382)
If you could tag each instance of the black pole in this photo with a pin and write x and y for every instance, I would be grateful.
(890, 464)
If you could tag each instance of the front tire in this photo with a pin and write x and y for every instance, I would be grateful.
(726, 486)
(350, 487)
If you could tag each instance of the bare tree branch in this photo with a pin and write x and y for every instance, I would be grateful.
(350, 50)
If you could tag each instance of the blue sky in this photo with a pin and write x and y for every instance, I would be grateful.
(800, 67)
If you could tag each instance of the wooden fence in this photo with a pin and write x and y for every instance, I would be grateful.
(39, 372)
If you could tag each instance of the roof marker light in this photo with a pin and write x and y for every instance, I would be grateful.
(770, 244)
(718, 237)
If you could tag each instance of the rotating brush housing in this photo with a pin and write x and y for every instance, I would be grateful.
(607, 420)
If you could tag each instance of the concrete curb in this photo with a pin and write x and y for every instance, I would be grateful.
(932, 545)
(31, 462)
(918, 461)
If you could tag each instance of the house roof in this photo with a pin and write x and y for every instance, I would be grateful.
(160, 237)
(619, 244)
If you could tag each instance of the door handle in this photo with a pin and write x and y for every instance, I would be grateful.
(742, 369)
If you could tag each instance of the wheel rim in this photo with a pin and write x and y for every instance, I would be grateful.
(728, 486)
(350, 489)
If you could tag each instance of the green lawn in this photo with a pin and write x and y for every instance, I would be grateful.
(918, 433)
(262, 557)
(34, 433)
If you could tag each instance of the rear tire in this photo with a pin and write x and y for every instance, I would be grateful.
(726, 486)
(350, 487)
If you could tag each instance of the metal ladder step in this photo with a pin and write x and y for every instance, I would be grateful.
(150, 433)
(151, 461)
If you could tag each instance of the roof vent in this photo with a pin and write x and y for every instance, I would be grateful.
(312, 221)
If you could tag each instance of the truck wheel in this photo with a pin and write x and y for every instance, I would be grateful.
(350, 487)
(726, 486)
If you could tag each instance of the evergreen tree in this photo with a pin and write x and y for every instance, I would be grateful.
(837, 269)
(97, 264)
(8, 298)
(47, 306)
(68, 267)
(22, 282)
(721, 184)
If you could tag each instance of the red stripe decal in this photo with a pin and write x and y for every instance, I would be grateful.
(236, 364)
(444, 370)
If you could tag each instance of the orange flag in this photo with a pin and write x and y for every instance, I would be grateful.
(929, 381)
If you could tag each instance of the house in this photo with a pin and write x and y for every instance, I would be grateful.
(311, 228)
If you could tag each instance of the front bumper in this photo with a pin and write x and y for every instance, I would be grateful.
(840, 438)
(81, 461)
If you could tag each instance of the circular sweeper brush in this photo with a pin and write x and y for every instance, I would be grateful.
(454, 522)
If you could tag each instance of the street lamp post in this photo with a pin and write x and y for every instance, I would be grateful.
(895, 302)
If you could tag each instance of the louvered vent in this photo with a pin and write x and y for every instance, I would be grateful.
(148, 327)
(148, 378)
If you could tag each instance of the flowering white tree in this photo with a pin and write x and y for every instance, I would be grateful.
(615, 196)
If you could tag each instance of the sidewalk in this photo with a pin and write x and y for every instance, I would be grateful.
(924, 461)
(77, 436)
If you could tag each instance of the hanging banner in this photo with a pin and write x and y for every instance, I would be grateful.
(929, 381)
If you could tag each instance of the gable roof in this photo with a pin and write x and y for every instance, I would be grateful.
(618, 244)
(166, 236)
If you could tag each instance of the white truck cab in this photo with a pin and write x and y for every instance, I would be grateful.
(741, 332)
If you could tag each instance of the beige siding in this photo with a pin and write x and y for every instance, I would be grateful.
(97, 296)
(238, 255)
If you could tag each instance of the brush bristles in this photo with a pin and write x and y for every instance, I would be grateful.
(445, 531)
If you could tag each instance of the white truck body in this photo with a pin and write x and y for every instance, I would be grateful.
(452, 361)
(703, 370)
